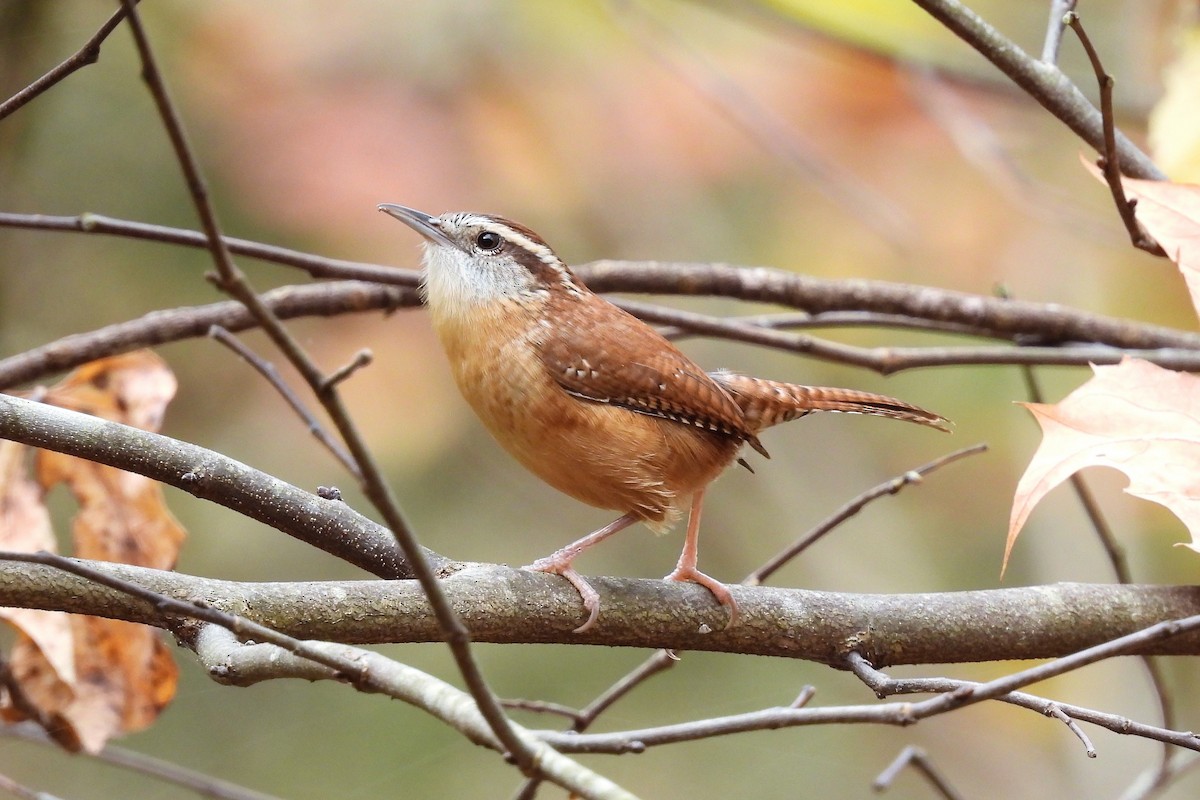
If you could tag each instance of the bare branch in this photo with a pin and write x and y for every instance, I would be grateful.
(947, 627)
(1042, 81)
(162, 327)
(1108, 161)
(315, 266)
(1054, 29)
(885, 686)
(268, 371)
(202, 784)
(361, 359)
(1045, 323)
(88, 54)
(1053, 710)
(851, 508)
(332, 526)
(916, 758)
(217, 644)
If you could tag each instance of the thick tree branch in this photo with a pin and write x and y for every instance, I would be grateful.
(948, 627)
(328, 524)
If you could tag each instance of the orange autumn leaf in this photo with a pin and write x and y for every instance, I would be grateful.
(121, 675)
(122, 516)
(1135, 417)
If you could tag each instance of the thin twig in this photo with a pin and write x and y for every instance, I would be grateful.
(315, 266)
(658, 661)
(885, 686)
(361, 359)
(170, 772)
(915, 757)
(1054, 29)
(376, 488)
(268, 371)
(851, 508)
(88, 54)
(1108, 161)
(1054, 710)
(1045, 83)
(23, 792)
(542, 707)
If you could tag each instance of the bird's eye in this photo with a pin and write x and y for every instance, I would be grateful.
(488, 241)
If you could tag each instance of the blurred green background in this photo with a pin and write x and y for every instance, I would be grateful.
(587, 122)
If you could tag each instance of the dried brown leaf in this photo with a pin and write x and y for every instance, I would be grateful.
(1135, 417)
(41, 665)
(116, 676)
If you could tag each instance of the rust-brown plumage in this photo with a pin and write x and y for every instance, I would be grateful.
(591, 399)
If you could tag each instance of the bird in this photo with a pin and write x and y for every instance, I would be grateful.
(591, 399)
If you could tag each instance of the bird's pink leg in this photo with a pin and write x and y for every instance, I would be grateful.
(686, 570)
(559, 563)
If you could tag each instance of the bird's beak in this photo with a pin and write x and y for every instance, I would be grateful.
(419, 221)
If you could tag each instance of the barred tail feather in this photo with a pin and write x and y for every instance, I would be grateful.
(765, 403)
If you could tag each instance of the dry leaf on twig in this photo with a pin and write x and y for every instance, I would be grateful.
(1170, 213)
(1135, 417)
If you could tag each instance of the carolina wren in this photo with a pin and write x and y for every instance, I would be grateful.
(591, 399)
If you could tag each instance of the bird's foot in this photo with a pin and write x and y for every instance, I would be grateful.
(589, 596)
(719, 590)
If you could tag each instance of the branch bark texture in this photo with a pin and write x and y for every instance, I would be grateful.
(504, 605)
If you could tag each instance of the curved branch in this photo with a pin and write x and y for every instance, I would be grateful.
(1048, 322)
(161, 327)
(946, 627)
(330, 525)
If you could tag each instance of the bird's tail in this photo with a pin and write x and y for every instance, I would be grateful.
(765, 403)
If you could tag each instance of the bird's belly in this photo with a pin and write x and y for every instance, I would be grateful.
(602, 455)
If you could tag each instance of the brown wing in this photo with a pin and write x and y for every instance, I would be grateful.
(616, 358)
